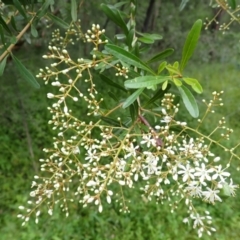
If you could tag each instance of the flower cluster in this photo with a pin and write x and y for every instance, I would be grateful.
(90, 160)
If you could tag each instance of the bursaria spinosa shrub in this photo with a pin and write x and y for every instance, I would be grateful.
(140, 141)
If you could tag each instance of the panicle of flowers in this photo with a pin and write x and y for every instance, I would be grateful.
(93, 160)
(234, 14)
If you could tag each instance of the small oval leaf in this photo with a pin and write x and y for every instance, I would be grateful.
(145, 81)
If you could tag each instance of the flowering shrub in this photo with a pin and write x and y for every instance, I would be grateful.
(96, 156)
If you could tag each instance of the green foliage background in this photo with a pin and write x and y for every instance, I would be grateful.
(24, 132)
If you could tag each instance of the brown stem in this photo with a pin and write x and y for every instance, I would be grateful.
(158, 140)
(9, 49)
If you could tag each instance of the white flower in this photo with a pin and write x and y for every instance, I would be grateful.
(147, 139)
(220, 173)
(167, 119)
(131, 151)
(187, 172)
(211, 195)
(194, 189)
(91, 155)
(152, 162)
(197, 220)
(203, 173)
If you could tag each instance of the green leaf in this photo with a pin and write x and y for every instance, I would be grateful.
(132, 98)
(58, 21)
(153, 36)
(2, 35)
(162, 55)
(127, 57)
(113, 96)
(13, 40)
(190, 43)
(133, 111)
(145, 81)
(111, 83)
(25, 73)
(177, 82)
(130, 37)
(165, 85)
(232, 4)
(172, 70)
(111, 121)
(196, 86)
(146, 40)
(13, 23)
(74, 10)
(161, 67)
(159, 94)
(183, 4)
(189, 101)
(5, 26)
(34, 31)
(114, 14)
(2, 65)
(43, 10)
(19, 7)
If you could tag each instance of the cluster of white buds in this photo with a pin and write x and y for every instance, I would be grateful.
(122, 71)
(94, 35)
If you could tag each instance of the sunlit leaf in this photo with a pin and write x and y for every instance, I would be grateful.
(162, 55)
(132, 98)
(145, 81)
(189, 101)
(190, 43)
(164, 86)
(177, 82)
(127, 57)
(172, 69)
(25, 73)
(161, 67)
(194, 83)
